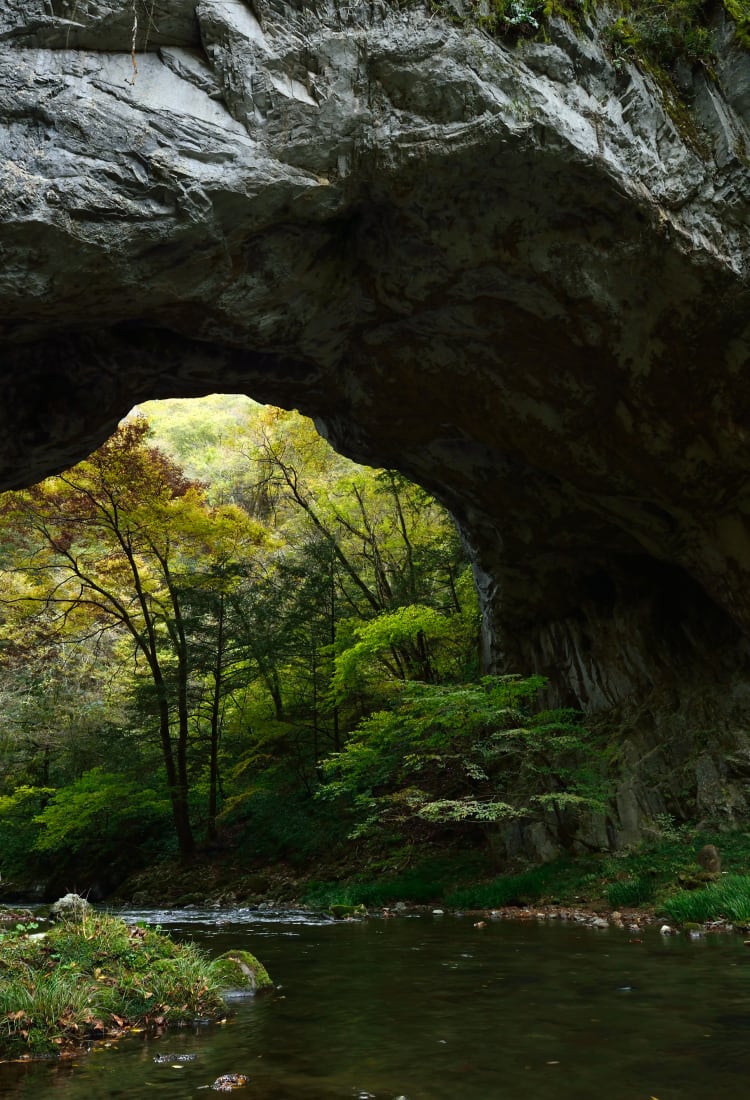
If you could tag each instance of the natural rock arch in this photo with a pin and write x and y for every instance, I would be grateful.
(504, 269)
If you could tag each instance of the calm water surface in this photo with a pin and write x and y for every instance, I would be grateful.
(430, 1008)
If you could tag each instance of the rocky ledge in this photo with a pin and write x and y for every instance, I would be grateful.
(518, 271)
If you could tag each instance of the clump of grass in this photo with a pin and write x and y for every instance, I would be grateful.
(523, 889)
(630, 893)
(95, 976)
(429, 880)
(727, 899)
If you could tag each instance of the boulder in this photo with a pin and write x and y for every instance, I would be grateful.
(71, 907)
(240, 972)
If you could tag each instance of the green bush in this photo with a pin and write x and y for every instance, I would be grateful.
(110, 808)
(468, 755)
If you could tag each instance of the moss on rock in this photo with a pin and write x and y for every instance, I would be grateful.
(240, 971)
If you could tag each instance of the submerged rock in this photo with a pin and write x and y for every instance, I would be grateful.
(229, 1081)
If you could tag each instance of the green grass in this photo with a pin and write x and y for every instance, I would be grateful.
(729, 899)
(630, 893)
(88, 978)
(645, 876)
(427, 881)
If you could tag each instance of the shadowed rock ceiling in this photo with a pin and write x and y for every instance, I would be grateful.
(504, 269)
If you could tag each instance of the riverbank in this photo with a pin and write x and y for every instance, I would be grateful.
(664, 877)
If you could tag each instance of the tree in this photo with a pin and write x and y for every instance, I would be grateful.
(388, 546)
(123, 541)
(473, 754)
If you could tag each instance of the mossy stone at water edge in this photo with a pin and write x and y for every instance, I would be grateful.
(347, 912)
(240, 970)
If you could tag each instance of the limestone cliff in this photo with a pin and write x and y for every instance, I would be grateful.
(516, 271)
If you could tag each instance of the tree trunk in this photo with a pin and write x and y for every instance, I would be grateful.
(213, 767)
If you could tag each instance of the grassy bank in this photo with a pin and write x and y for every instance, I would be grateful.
(96, 976)
(662, 875)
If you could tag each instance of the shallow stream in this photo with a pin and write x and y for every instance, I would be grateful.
(432, 1008)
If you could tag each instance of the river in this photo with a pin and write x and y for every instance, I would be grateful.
(433, 1008)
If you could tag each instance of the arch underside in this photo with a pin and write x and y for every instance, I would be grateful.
(506, 271)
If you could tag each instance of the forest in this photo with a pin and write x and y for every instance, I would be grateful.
(220, 635)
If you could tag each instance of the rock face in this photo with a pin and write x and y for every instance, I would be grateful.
(504, 268)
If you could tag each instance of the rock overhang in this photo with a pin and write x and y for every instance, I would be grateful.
(506, 270)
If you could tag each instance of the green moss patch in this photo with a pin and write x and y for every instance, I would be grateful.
(239, 971)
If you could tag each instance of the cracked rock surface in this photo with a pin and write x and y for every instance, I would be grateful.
(514, 271)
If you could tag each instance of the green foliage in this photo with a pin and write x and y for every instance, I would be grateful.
(729, 899)
(102, 808)
(663, 32)
(513, 17)
(301, 832)
(526, 18)
(19, 829)
(85, 979)
(630, 893)
(739, 12)
(465, 753)
(380, 637)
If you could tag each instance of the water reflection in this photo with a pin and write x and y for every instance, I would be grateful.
(435, 1009)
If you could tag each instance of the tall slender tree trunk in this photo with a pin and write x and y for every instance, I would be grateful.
(213, 766)
(176, 786)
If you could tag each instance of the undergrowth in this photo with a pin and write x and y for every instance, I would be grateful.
(648, 875)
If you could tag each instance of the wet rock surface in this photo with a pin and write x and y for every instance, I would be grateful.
(506, 270)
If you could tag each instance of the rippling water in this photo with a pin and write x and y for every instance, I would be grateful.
(431, 1008)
